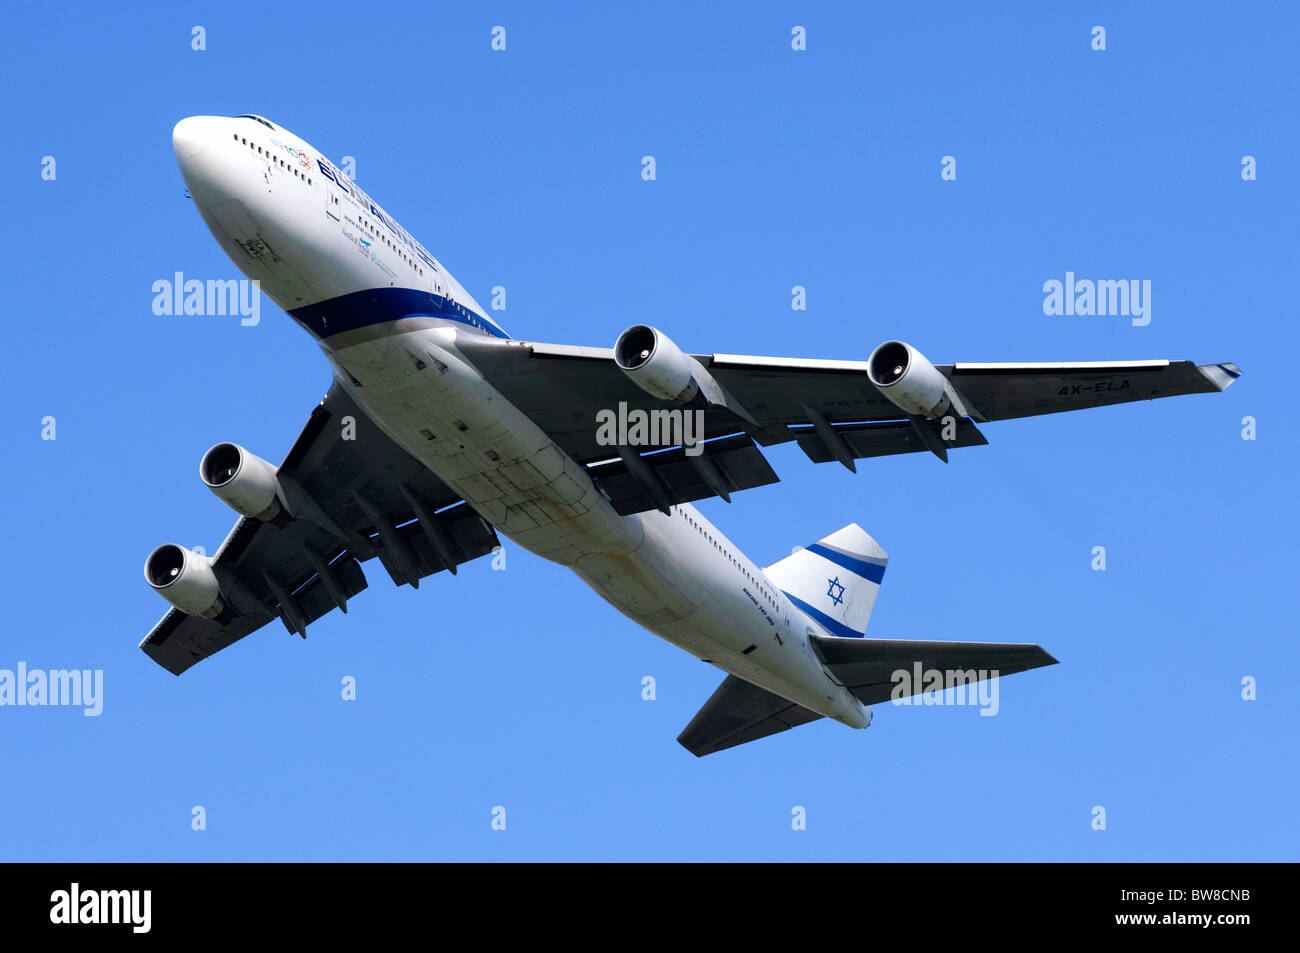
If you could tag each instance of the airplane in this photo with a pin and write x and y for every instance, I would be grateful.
(441, 433)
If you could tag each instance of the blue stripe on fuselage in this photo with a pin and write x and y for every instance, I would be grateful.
(361, 309)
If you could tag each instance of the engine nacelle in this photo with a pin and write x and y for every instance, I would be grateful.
(911, 382)
(660, 368)
(185, 579)
(242, 480)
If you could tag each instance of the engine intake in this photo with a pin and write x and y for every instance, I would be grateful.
(911, 382)
(185, 579)
(657, 365)
(242, 480)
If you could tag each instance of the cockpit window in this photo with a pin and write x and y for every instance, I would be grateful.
(258, 118)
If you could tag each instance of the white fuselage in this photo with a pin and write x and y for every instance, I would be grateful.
(377, 302)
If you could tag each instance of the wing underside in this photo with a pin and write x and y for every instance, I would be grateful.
(830, 409)
(351, 495)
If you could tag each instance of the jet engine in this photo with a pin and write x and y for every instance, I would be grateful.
(659, 367)
(242, 480)
(911, 382)
(185, 579)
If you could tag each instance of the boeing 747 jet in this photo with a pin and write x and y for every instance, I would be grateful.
(441, 433)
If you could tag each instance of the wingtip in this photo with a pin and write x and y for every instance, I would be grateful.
(1221, 375)
(691, 745)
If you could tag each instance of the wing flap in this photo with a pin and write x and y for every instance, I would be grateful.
(314, 597)
(881, 439)
(734, 461)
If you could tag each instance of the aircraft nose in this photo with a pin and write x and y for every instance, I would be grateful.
(188, 137)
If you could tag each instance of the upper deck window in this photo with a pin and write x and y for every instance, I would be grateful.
(257, 118)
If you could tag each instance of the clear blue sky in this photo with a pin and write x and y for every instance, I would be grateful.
(775, 168)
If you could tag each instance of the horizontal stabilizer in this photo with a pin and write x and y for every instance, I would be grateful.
(870, 668)
(739, 712)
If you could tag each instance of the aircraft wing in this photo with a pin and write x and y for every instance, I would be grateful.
(351, 495)
(830, 408)
(1004, 391)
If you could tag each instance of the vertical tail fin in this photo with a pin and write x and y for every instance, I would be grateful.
(835, 580)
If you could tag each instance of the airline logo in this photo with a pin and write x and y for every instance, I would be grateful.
(368, 206)
(297, 155)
